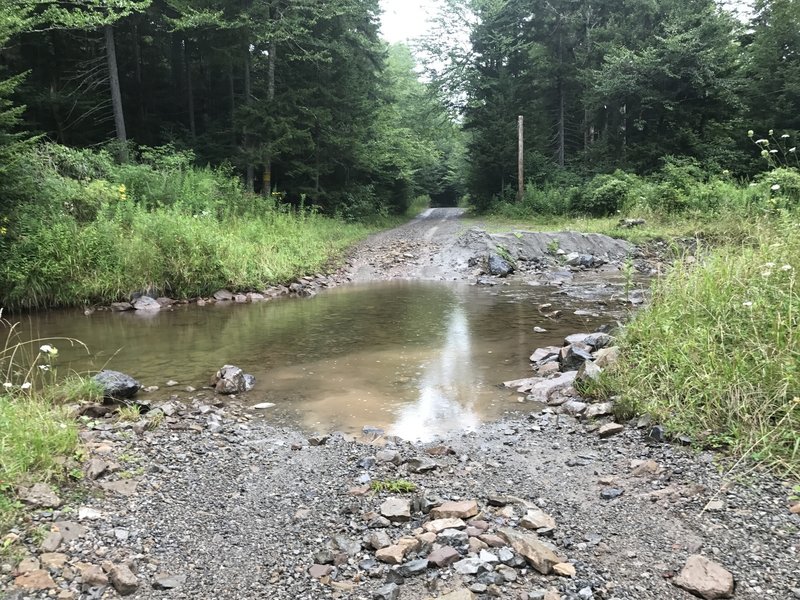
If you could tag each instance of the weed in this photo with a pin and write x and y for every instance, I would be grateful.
(395, 486)
(553, 247)
(155, 419)
(129, 413)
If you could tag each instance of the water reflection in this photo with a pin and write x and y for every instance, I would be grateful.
(447, 390)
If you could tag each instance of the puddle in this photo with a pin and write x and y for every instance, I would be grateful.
(415, 359)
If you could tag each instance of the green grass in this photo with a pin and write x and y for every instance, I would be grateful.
(716, 354)
(395, 486)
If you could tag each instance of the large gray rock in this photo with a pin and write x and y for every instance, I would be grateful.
(499, 266)
(231, 379)
(116, 385)
(146, 303)
(705, 578)
(541, 555)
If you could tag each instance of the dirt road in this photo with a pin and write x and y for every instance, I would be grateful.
(203, 499)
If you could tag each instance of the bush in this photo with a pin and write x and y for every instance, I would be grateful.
(604, 194)
(783, 187)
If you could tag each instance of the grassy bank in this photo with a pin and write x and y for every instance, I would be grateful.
(80, 229)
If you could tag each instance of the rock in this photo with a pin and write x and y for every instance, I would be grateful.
(86, 513)
(628, 223)
(542, 355)
(656, 434)
(262, 406)
(455, 510)
(320, 571)
(598, 341)
(390, 591)
(588, 371)
(537, 519)
(551, 594)
(378, 539)
(795, 509)
(123, 579)
(70, 531)
(40, 495)
(92, 575)
(601, 409)
(645, 467)
(146, 303)
(53, 560)
(121, 306)
(564, 569)
(318, 440)
(165, 581)
(116, 385)
(51, 542)
(171, 383)
(461, 594)
(123, 487)
(249, 382)
(609, 430)
(573, 356)
(35, 580)
(439, 525)
(422, 464)
(229, 380)
(576, 338)
(452, 537)
(255, 297)
(611, 493)
(240, 298)
(27, 565)
(499, 266)
(396, 509)
(607, 357)
(443, 556)
(488, 557)
(573, 407)
(388, 456)
(392, 555)
(95, 467)
(705, 578)
(223, 296)
(469, 566)
(715, 506)
(542, 391)
(541, 555)
(414, 567)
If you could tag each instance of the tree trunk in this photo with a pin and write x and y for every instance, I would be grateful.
(250, 170)
(561, 104)
(116, 95)
(190, 92)
(137, 60)
(520, 160)
(232, 99)
(273, 51)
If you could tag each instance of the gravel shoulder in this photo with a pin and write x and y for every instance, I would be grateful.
(204, 499)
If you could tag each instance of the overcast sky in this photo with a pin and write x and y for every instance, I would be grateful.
(406, 19)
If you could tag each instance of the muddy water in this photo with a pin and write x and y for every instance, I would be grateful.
(415, 359)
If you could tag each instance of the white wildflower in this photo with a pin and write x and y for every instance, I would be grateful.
(26, 385)
(46, 349)
(773, 151)
(793, 149)
(776, 187)
(770, 265)
(785, 136)
(8, 385)
(786, 268)
(762, 141)
(747, 304)
(44, 367)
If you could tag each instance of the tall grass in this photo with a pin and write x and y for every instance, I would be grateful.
(716, 354)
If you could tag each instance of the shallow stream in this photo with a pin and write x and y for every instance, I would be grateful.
(415, 359)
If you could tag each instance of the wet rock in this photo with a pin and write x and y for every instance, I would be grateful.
(223, 295)
(542, 355)
(123, 579)
(390, 591)
(165, 581)
(249, 382)
(121, 306)
(35, 580)
(444, 556)
(542, 391)
(541, 555)
(609, 430)
(422, 464)
(705, 578)
(229, 380)
(116, 385)
(455, 510)
(146, 303)
(40, 495)
(396, 509)
(499, 266)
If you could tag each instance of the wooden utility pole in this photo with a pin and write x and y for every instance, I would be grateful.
(520, 162)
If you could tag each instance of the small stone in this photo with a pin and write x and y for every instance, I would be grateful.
(121, 306)
(390, 591)
(541, 555)
(422, 464)
(645, 467)
(537, 519)
(51, 542)
(318, 440)
(171, 383)
(70, 531)
(795, 510)
(488, 557)
(146, 303)
(715, 506)
(461, 594)
(585, 593)
(601, 409)
(607, 357)
(396, 509)
(551, 594)
(123, 487)
(28, 564)
(320, 571)
(705, 578)
(588, 371)
(165, 581)
(414, 567)
(86, 513)
(92, 575)
(469, 566)
(611, 493)
(95, 467)
(388, 456)
(609, 430)
(452, 537)
(53, 560)
(263, 405)
(123, 579)
(40, 495)
(492, 540)
(443, 556)
(392, 555)
(439, 525)
(475, 545)
(35, 580)
(455, 510)
(378, 539)
(656, 434)
(564, 569)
